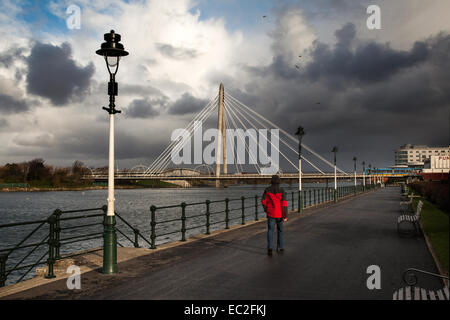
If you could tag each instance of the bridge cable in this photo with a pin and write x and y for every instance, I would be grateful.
(243, 116)
(288, 135)
(281, 139)
(164, 154)
(179, 145)
(255, 164)
(161, 162)
(235, 155)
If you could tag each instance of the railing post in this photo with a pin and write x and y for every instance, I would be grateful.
(153, 226)
(226, 213)
(315, 199)
(292, 194)
(256, 207)
(3, 259)
(57, 214)
(243, 209)
(51, 247)
(136, 238)
(309, 191)
(207, 216)
(304, 197)
(183, 221)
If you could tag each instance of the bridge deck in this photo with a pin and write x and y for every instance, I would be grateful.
(328, 250)
(283, 176)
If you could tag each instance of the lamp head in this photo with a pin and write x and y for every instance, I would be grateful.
(112, 50)
(112, 47)
(300, 132)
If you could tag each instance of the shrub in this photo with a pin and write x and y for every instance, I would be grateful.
(436, 192)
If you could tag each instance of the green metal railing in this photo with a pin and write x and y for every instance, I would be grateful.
(47, 237)
(246, 208)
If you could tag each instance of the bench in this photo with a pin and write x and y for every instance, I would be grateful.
(404, 190)
(406, 206)
(413, 219)
(411, 292)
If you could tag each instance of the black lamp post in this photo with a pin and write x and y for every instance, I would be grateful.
(335, 150)
(111, 50)
(364, 175)
(300, 133)
(370, 175)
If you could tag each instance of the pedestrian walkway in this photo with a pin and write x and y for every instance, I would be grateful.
(328, 251)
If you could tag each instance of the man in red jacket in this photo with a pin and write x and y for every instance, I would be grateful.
(276, 208)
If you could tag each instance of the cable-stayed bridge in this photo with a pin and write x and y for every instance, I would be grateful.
(240, 150)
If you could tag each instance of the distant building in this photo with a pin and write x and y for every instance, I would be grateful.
(417, 155)
(436, 168)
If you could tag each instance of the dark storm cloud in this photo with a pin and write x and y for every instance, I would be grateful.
(146, 107)
(53, 74)
(152, 106)
(345, 35)
(187, 104)
(9, 105)
(368, 62)
(91, 146)
(175, 52)
(364, 96)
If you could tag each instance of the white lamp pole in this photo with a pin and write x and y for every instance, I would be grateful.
(300, 132)
(111, 198)
(335, 149)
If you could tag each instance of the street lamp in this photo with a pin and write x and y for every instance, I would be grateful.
(364, 175)
(370, 176)
(300, 133)
(354, 160)
(335, 150)
(111, 50)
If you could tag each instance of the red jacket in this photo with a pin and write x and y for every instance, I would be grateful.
(274, 202)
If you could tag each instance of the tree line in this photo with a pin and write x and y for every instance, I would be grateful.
(39, 174)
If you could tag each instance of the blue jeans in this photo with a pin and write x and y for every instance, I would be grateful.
(270, 230)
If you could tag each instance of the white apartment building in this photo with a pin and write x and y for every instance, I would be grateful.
(415, 155)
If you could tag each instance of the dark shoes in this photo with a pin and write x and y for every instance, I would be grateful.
(269, 251)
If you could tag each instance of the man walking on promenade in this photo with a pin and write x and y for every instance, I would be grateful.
(276, 208)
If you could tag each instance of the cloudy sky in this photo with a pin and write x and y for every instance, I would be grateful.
(378, 89)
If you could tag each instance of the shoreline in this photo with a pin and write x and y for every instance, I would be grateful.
(36, 189)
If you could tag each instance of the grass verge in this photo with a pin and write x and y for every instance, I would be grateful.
(436, 226)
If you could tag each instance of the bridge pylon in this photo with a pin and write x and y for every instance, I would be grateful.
(221, 137)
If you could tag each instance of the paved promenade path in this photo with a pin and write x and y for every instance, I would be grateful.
(328, 250)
